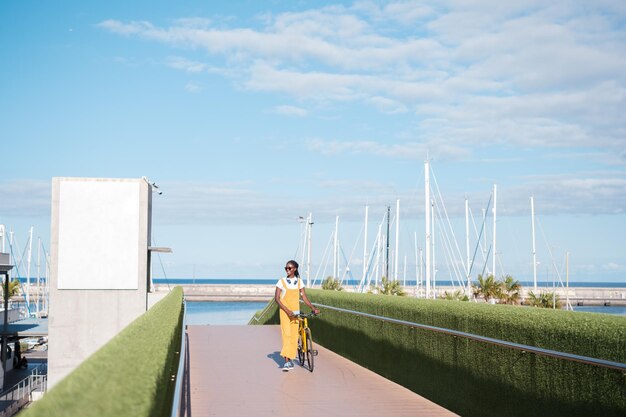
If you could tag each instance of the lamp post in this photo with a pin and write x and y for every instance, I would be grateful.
(5, 267)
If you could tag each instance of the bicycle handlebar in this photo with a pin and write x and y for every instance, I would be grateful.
(307, 315)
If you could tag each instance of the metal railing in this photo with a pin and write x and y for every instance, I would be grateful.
(19, 395)
(524, 348)
(267, 307)
(180, 375)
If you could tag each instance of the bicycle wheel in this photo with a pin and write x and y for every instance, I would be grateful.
(300, 351)
(309, 350)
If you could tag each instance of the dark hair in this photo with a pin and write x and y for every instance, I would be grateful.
(295, 265)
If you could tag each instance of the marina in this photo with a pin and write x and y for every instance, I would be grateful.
(579, 296)
(446, 179)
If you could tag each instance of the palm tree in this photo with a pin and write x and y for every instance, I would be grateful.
(331, 283)
(14, 288)
(390, 287)
(456, 295)
(511, 288)
(487, 288)
(545, 299)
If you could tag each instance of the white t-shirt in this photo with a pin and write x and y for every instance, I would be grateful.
(292, 284)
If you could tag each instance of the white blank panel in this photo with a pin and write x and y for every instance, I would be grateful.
(98, 235)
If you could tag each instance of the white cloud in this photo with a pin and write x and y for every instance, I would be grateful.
(202, 203)
(121, 28)
(406, 150)
(338, 40)
(408, 12)
(290, 111)
(386, 105)
(526, 73)
(25, 198)
(194, 22)
(242, 203)
(193, 87)
(325, 85)
(600, 193)
(612, 266)
(186, 64)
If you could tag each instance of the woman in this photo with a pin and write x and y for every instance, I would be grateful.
(287, 296)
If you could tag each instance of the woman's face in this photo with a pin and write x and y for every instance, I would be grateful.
(290, 270)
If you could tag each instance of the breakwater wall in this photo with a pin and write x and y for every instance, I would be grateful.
(223, 292)
(261, 292)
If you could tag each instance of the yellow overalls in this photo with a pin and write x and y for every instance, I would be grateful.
(289, 328)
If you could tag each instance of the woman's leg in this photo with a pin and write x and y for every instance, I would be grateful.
(289, 333)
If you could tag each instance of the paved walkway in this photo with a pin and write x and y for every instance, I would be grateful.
(235, 371)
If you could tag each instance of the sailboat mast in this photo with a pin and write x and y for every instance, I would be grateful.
(467, 247)
(427, 223)
(432, 221)
(46, 291)
(309, 224)
(483, 248)
(38, 276)
(30, 255)
(379, 252)
(336, 250)
(397, 239)
(404, 273)
(417, 271)
(495, 201)
(387, 243)
(2, 238)
(302, 243)
(13, 254)
(532, 220)
(421, 272)
(365, 260)
(567, 304)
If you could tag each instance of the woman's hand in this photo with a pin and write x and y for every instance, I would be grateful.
(290, 314)
(316, 311)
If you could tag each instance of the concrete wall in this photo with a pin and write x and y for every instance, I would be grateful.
(100, 233)
(213, 292)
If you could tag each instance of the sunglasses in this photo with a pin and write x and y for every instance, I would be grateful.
(289, 268)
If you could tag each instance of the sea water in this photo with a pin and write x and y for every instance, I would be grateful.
(222, 312)
(240, 312)
(615, 310)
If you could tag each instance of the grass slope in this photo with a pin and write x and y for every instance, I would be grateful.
(129, 376)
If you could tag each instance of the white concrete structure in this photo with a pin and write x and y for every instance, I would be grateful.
(99, 283)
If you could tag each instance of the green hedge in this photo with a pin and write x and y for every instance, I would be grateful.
(129, 376)
(473, 378)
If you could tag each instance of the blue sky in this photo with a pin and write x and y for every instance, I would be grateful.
(250, 114)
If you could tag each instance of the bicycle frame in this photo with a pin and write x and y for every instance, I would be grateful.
(305, 341)
(303, 324)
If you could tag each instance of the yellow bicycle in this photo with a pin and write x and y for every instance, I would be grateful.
(305, 341)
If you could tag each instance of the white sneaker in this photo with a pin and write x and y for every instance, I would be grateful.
(287, 366)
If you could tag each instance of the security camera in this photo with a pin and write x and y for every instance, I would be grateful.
(153, 186)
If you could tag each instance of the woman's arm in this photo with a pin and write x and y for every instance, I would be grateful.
(307, 302)
(280, 303)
